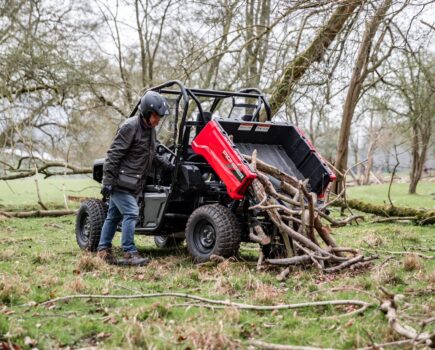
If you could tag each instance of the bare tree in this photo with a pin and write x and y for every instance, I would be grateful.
(313, 53)
(360, 72)
(414, 84)
(42, 71)
(374, 132)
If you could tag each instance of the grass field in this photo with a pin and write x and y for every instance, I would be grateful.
(378, 194)
(19, 194)
(40, 260)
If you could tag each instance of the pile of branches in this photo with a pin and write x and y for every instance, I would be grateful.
(293, 211)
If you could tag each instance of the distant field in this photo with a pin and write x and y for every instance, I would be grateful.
(22, 193)
(378, 194)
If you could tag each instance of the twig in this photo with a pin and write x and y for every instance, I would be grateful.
(392, 176)
(423, 222)
(260, 260)
(353, 289)
(383, 345)
(342, 222)
(343, 191)
(311, 256)
(269, 346)
(357, 259)
(259, 205)
(283, 275)
(38, 193)
(300, 259)
(262, 166)
(302, 205)
(9, 186)
(389, 307)
(395, 218)
(360, 303)
(429, 257)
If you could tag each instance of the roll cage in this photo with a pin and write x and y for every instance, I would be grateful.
(185, 95)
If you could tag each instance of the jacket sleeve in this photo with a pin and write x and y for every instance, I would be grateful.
(119, 148)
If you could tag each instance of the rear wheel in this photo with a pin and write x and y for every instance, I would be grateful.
(168, 241)
(89, 222)
(212, 229)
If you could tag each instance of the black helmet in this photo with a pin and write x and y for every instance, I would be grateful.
(153, 102)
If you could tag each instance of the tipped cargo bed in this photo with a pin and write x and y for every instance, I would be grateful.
(272, 154)
(281, 145)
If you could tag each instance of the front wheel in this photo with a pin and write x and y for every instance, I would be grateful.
(89, 222)
(212, 230)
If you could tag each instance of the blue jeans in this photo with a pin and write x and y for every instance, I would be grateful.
(122, 207)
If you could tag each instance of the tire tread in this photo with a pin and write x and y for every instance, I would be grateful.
(228, 232)
(97, 211)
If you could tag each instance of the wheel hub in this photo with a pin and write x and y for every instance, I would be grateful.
(86, 228)
(206, 237)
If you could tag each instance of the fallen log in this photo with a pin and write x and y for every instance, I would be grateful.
(36, 213)
(419, 216)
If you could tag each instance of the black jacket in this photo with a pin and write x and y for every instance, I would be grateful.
(130, 156)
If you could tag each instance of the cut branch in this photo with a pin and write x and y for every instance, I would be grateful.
(361, 304)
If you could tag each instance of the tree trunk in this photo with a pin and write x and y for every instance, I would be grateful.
(373, 141)
(221, 47)
(257, 18)
(418, 158)
(314, 53)
(359, 74)
(140, 33)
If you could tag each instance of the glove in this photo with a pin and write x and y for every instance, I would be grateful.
(106, 190)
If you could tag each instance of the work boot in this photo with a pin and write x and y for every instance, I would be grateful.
(107, 255)
(133, 259)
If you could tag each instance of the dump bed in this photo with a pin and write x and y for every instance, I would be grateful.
(281, 145)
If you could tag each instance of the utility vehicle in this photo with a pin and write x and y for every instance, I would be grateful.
(205, 200)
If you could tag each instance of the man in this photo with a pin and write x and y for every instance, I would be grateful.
(125, 170)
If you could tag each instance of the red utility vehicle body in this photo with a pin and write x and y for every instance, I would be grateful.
(216, 147)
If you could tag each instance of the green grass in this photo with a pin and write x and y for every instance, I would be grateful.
(22, 194)
(39, 260)
(378, 194)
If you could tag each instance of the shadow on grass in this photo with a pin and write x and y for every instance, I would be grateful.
(182, 252)
(154, 252)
